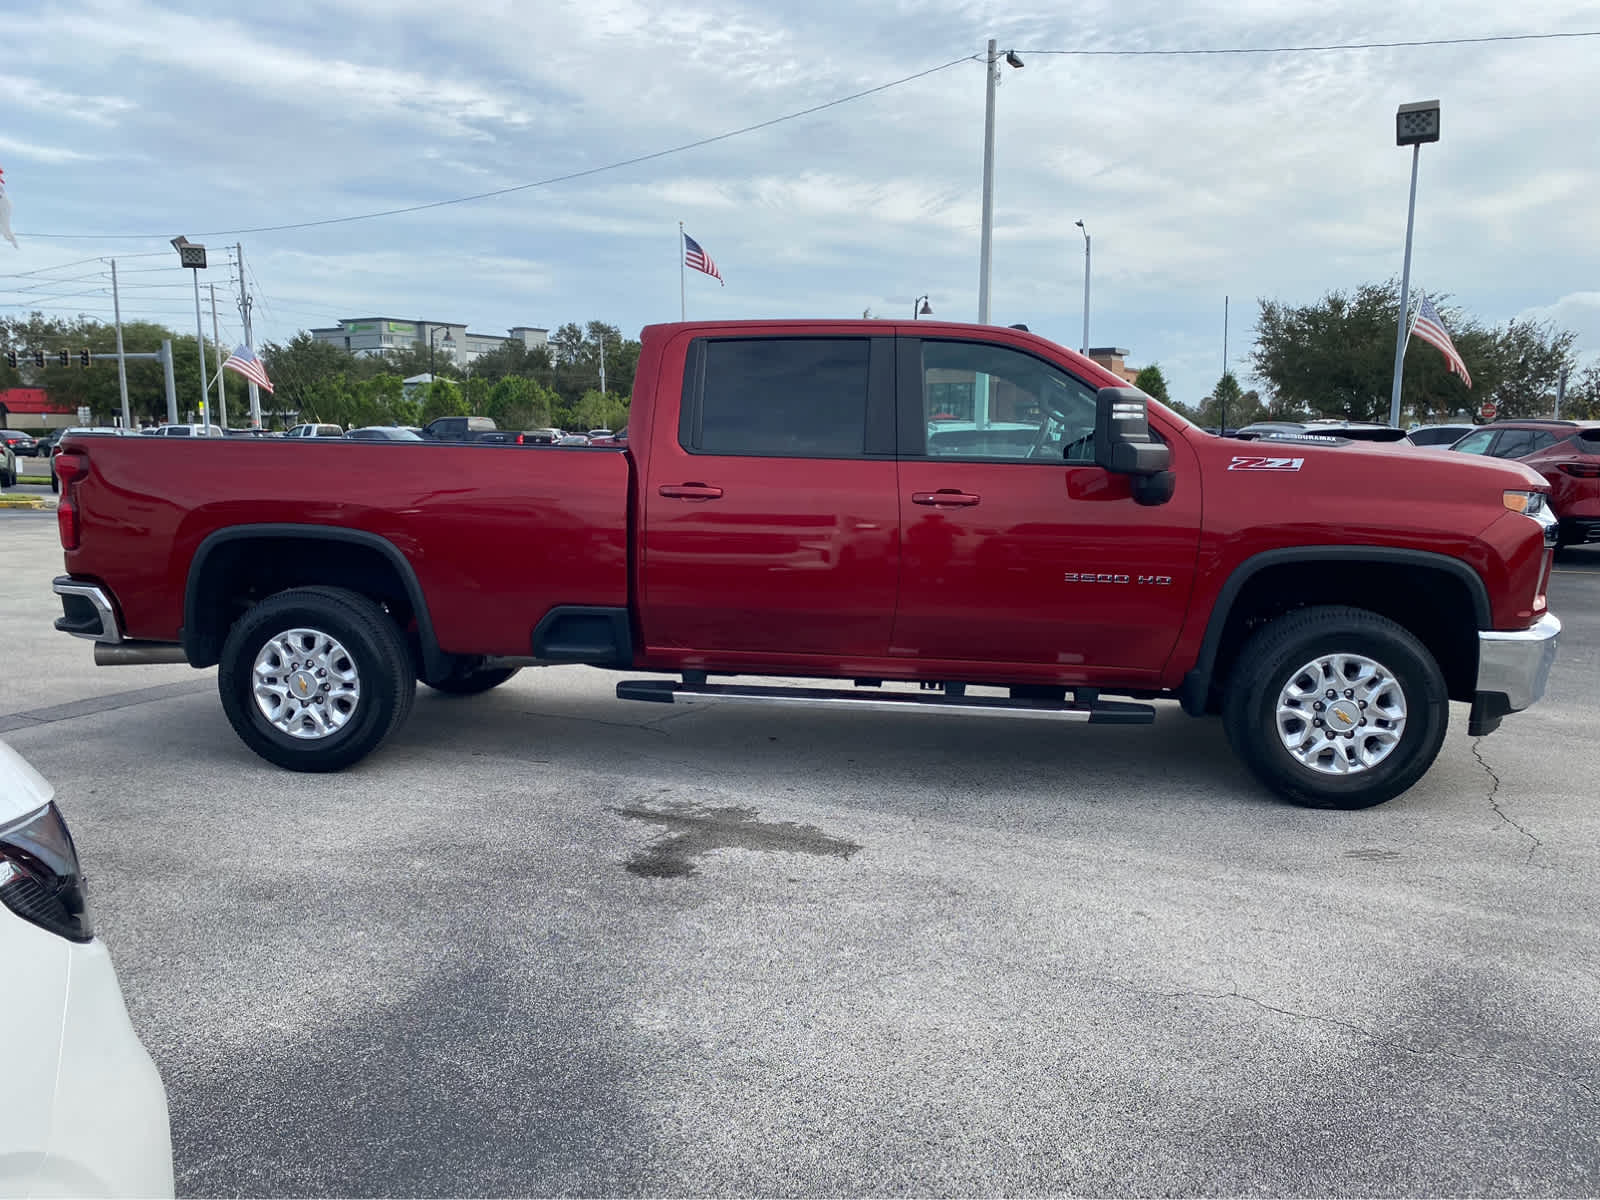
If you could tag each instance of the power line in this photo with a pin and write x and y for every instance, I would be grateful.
(538, 183)
(1455, 41)
(816, 108)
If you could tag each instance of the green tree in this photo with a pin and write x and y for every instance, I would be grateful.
(1153, 383)
(595, 410)
(1228, 406)
(519, 403)
(1335, 358)
(444, 400)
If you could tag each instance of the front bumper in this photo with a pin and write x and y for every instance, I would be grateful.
(1513, 668)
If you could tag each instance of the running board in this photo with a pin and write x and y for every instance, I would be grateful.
(1101, 712)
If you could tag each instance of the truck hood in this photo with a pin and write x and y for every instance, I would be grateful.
(1408, 468)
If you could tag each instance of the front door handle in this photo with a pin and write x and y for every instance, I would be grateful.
(946, 498)
(690, 491)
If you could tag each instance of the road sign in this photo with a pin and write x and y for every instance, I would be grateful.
(1488, 412)
(84, 416)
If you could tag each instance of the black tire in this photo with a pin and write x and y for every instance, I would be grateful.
(467, 680)
(1266, 668)
(377, 654)
(8, 478)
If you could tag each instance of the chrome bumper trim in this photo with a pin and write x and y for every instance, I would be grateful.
(1516, 664)
(110, 633)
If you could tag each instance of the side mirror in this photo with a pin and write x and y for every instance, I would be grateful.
(1122, 441)
(1123, 445)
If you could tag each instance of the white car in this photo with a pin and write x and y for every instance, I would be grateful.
(82, 1110)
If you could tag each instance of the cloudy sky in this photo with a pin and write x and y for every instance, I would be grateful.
(1199, 177)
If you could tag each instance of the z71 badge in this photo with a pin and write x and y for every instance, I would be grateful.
(1260, 462)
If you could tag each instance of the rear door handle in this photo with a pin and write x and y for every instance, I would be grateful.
(690, 491)
(946, 498)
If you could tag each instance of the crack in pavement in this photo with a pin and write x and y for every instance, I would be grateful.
(1494, 791)
(1370, 1035)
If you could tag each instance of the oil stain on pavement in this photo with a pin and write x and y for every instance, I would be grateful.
(688, 833)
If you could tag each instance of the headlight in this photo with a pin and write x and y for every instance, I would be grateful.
(1529, 503)
(39, 876)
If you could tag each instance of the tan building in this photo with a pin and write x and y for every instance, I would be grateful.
(1110, 357)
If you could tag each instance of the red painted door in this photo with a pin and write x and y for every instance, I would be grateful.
(771, 512)
(1016, 548)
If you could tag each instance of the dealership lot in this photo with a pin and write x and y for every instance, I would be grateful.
(546, 942)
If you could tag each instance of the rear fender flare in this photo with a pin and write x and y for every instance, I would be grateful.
(435, 663)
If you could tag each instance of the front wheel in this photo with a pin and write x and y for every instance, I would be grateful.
(1336, 707)
(314, 679)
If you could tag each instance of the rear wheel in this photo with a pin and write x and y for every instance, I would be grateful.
(315, 679)
(1336, 707)
(466, 679)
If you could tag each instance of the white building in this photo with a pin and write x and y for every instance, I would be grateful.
(369, 336)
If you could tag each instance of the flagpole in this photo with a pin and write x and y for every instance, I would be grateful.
(683, 310)
(222, 392)
(122, 363)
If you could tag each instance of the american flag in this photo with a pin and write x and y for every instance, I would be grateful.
(1429, 326)
(244, 361)
(697, 258)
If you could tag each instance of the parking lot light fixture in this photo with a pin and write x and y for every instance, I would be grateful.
(193, 256)
(1414, 124)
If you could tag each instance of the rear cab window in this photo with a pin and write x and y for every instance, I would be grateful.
(788, 397)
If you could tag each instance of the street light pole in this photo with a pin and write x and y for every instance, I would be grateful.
(1084, 349)
(1414, 125)
(991, 71)
(919, 308)
(193, 256)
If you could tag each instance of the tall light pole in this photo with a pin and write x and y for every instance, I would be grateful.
(919, 308)
(193, 256)
(449, 345)
(1414, 124)
(991, 71)
(1084, 349)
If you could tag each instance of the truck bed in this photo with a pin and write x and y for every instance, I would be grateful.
(496, 535)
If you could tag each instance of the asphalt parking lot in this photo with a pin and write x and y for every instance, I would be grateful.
(546, 942)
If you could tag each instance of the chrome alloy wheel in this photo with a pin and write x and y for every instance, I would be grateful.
(1341, 714)
(306, 683)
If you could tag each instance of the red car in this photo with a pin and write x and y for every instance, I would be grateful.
(1567, 453)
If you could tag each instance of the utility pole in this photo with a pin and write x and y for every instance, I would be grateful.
(991, 71)
(122, 365)
(602, 340)
(172, 383)
(1561, 390)
(249, 344)
(216, 336)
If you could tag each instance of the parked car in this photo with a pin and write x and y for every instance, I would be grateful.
(198, 431)
(620, 438)
(572, 439)
(383, 433)
(458, 429)
(48, 442)
(1298, 588)
(24, 445)
(83, 1111)
(314, 431)
(253, 433)
(1358, 431)
(8, 466)
(598, 433)
(1442, 436)
(1566, 453)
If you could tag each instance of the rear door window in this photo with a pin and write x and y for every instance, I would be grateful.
(778, 397)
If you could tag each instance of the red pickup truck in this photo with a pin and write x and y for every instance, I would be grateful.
(914, 517)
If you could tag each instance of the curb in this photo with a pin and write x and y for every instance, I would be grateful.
(33, 502)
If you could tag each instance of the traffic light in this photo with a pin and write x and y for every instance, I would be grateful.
(11, 359)
(65, 358)
(83, 357)
(38, 358)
